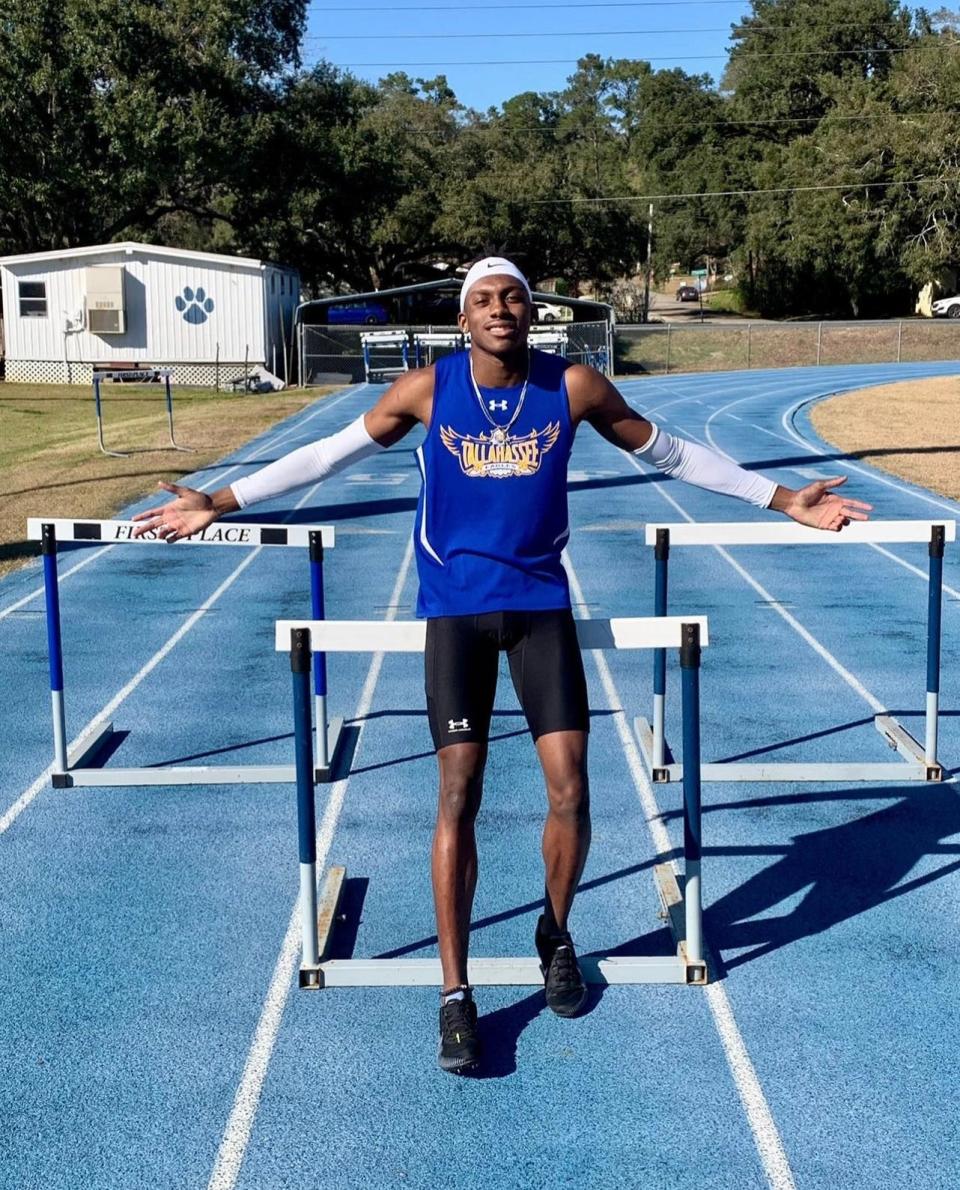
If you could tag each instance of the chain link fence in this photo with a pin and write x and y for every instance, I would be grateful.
(334, 354)
(707, 347)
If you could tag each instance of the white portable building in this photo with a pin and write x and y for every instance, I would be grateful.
(206, 316)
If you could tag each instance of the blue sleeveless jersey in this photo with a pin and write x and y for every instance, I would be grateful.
(492, 516)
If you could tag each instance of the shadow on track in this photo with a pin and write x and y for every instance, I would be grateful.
(841, 871)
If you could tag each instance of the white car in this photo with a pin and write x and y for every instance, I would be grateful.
(548, 312)
(949, 306)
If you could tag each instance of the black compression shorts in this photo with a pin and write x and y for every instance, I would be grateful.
(462, 658)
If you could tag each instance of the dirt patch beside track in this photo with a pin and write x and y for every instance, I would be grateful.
(910, 429)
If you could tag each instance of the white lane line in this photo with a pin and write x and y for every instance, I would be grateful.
(28, 795)
(201, 487)
(16, 809)
(913, 569)
(8, 611)
(821, 650)
(239, 1127)
(786, 422)
(809, 472)
(766, 1135)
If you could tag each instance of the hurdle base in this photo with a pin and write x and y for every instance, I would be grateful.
(86, 749)
(671, 898)
(909, 748)
(496, 972)
(80, 771)
(913, 768)
(334, 741)
(328, 911)
(659, 774)
(521, 971)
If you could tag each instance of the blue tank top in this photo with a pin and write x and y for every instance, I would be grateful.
(492, 515)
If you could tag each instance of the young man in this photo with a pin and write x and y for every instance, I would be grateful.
(490, 529)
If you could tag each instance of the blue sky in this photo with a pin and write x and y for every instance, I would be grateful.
(349, 33)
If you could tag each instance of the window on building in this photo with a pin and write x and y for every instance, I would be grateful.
(273, 282)
(33, 299)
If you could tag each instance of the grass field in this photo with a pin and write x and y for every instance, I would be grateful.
(50, 463)
(709, 348)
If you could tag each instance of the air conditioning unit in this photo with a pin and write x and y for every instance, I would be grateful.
(106, 314)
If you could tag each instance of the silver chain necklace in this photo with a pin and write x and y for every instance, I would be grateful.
(500, 432)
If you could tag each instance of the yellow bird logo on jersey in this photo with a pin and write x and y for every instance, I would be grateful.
(499, 454)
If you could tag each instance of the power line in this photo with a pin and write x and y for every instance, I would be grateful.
(504, 127)
(668, 58)
(457, 8)
(861, 185)
(572, 33)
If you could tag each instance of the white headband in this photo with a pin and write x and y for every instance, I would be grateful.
(491, 266)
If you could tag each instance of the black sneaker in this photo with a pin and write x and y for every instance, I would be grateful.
(459, 1044)
(563, 980)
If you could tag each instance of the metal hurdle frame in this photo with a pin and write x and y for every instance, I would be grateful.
(681, 897)
(549, 338)
(147, 374)
(919, 762)
(425, 344)
(373, 340)
(75, 767)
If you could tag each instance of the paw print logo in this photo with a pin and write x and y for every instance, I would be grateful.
(194, 305)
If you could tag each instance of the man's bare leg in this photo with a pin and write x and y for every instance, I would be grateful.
(566, 833)
(566, 840)
(454, 859)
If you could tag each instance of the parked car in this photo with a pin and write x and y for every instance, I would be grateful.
(950, 306)
(688, 293)
(548, 312)
(366, 313)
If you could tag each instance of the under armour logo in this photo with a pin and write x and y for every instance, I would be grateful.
(458, 725)
(493, 406)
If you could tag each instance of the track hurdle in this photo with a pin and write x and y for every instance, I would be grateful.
(76, 767)
(919, 762)
(146, 374)
(681, 903)
(428, 345)
(396, 347)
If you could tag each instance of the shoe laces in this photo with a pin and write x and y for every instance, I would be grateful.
(563, 966)
(457, 1016)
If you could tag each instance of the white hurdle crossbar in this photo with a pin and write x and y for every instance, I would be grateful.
(75, 767)
(682, 905)
(919, 762)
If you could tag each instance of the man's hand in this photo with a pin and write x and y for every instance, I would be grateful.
(816, 506)
(191, 512)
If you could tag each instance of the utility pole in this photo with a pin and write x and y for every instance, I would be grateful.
(646, 276)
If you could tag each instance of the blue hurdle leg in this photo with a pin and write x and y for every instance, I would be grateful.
(319, 659)
(661, 556)
(306, 810)
(48, 548)
(690, 679)
(934, 611)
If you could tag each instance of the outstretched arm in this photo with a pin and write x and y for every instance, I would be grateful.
(407, 401)
(594, 399)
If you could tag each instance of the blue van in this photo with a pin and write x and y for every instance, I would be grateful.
(360, 313)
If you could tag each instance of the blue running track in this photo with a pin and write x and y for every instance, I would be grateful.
(151, 1032)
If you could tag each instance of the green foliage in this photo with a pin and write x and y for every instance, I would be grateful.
(192, 123)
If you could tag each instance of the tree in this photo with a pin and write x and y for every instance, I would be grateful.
(112, 118)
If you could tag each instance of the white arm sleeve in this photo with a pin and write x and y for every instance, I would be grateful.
(697, 465)
(309, 464)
